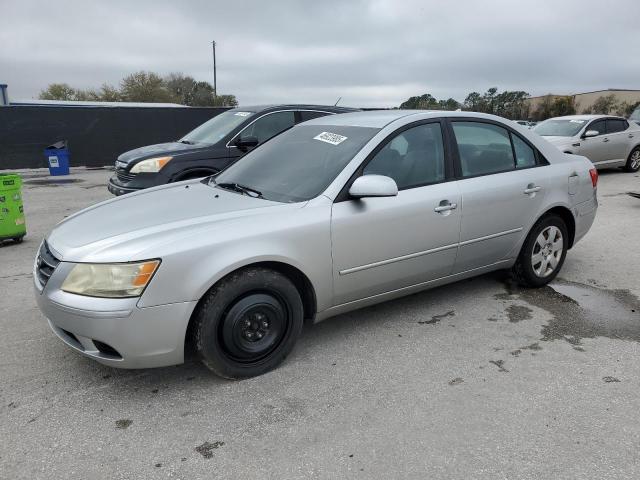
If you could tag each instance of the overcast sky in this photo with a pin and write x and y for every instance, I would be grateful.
(370, 53)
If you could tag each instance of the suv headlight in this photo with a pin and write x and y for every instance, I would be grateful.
(150, 165)
(118, 280)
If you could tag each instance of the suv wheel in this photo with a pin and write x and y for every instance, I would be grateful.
(248, 323)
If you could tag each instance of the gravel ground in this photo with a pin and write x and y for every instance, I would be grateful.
(475, 380)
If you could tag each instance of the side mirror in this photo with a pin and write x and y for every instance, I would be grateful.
(590, 133)
(243, 143)
(373, 186)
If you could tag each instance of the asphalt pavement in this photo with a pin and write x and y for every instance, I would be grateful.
(475, 380)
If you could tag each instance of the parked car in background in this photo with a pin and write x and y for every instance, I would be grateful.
(211, 147)
(635, 116)
(606, 140)
(334, 214)
(525, 123)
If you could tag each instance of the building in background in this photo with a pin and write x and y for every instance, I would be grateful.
(619, 100)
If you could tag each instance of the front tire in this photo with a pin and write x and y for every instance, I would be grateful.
(543, 252)
(633, 162)
(248, 323)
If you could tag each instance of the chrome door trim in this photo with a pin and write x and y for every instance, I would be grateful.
(396, 259)
(489, 237)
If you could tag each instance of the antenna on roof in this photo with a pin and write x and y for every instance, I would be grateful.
(335, 104)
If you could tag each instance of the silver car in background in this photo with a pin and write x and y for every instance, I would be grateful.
(606, 140)
(335, 214)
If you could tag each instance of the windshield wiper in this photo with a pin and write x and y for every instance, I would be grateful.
(236, 187)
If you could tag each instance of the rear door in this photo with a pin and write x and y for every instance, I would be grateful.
(502, 182)
(618, 138)
(383, 244)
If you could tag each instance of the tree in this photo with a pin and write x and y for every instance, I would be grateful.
(58, 91)
(423, 102)
(145, 87)
(448, 104)
(225, 101)
(562, 106)
(473, 102)
(604, 105)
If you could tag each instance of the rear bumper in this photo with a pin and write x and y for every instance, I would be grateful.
(115, 332)
(584, 214)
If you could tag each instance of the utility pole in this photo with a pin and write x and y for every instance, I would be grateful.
(215, 91)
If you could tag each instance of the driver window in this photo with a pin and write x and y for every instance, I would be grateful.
(269, 126)
(598, 126)
(412, 158)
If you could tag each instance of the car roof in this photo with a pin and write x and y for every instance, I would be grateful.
(294, 106)
(583, 117)
(382, 118)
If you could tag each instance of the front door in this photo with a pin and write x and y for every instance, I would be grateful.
(383, 244)
(597, 148)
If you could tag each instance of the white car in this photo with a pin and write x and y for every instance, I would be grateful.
(606, 140)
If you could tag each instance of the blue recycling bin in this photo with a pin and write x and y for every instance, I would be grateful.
(57, 156)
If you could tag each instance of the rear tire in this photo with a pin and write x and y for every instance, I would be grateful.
(248, 323)
(633, 162)
(543, 252)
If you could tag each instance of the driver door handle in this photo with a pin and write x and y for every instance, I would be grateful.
(605, 140)
(445, 206)
(531, 188)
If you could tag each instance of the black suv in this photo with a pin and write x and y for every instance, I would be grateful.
(211, 147)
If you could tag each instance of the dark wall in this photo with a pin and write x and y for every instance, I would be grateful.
(95, 135)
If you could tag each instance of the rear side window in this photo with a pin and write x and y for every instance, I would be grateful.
(269, 126)
(413, 158)
(483, 148)
(616, 125)
(308, 115)
(525, 155)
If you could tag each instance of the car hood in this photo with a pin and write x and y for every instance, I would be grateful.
(134, 226)
(169, 148)
(559, 140)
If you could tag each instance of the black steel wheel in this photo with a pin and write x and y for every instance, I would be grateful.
(248, 323)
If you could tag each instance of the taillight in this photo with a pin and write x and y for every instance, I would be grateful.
(594, 177)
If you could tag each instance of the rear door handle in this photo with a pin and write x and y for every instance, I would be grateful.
(630, 135)
(605, 140)
(445, 206)
(531, 188)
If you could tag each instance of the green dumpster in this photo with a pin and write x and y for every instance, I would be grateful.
(12, 224)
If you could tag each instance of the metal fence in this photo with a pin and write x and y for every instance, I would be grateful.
(95, 135)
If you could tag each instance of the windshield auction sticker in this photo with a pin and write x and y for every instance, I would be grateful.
(242, 114)
(332, 138)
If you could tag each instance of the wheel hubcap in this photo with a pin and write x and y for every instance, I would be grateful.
(635, 159)
(547, 251)
(253, 327)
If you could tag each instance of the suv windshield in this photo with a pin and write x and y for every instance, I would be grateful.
(217, 128)
(559, 128)
(635, 115)
(298, 164)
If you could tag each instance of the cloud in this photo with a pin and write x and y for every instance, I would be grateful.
(372, 53)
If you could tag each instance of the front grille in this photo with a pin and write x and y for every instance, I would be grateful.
(124, 176)
(45, 264)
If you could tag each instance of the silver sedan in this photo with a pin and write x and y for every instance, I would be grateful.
(605, 140)
(335, 214)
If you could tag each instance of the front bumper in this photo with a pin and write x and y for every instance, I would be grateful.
(115, 332)
(123, 182)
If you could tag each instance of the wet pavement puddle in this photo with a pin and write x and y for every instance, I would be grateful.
(578, 311)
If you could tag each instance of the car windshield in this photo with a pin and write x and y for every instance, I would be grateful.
(217, 128)
(635, 115)
(298, 164)
(559, 128)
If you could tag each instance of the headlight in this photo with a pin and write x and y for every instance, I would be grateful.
(151, 165)
(118, 280)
